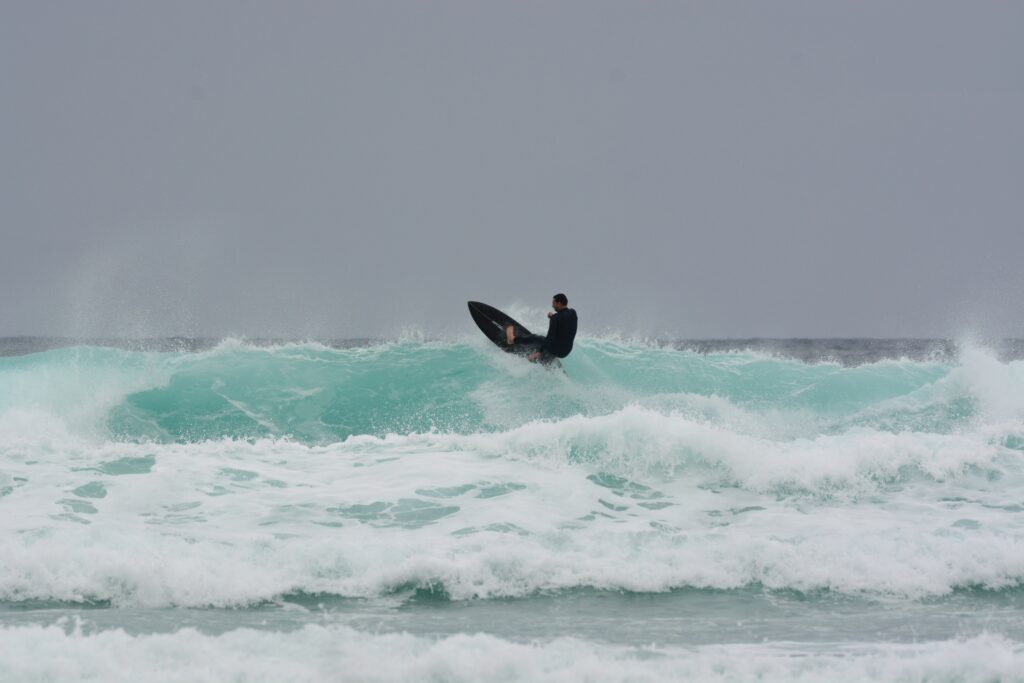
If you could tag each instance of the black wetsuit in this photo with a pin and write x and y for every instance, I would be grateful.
(561, 333)
(558, 342)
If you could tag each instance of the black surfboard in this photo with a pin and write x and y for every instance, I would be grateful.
(493, 322)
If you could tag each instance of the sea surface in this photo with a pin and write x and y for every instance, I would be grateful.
(437, 510)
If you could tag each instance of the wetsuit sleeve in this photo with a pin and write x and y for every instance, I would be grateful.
(553, 325)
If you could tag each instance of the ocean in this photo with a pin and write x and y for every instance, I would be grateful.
(436, 510)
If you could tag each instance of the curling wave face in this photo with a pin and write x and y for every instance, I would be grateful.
(244, 474)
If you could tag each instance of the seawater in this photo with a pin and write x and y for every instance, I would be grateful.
(441, 511)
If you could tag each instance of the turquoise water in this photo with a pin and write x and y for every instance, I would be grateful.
(443, 511)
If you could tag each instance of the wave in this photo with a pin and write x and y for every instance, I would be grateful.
(240, 474)
(316, 394)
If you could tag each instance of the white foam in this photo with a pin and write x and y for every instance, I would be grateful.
(638, 440)
(74, 394)
(998, 387)
(332, 653)
(233, 523)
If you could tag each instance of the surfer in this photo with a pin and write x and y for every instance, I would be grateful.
(561, 333)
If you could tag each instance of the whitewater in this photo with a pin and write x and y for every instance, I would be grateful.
(437, 510)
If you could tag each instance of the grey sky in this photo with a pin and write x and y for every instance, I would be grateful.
(359, 168)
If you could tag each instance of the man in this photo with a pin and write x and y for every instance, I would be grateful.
(561, 333)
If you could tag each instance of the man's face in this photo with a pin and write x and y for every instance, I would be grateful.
(557, 306)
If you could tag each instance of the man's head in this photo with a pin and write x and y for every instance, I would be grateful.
(559, 302)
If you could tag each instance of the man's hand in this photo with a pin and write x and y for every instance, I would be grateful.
(533, 356)
(550, 314)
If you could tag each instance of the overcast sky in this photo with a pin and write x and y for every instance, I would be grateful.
(345, 169)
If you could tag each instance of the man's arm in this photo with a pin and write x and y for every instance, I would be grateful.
(553, 325)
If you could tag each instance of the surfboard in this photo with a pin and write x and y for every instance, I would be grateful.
(493, 322)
